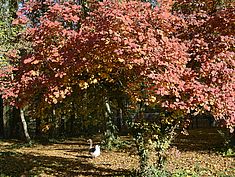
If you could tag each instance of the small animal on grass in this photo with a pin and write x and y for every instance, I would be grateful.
(94, 151)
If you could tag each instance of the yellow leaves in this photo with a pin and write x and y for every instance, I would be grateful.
(46, 127)
(177, 94)
(107, 41)
(55, 59)
(34, 73)
(57, 95)
(212, 102)
(129, 66)
(152, 99)
(83, 84)
(51, 99)
(167, 120)
(109, 69)
(94, 81)
(137, 99)
(104, 75)
(121, 60)
(35, 62)
(60, 74)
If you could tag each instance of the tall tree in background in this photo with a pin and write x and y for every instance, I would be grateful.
(9, 41)
(7, 34)
(1, 118)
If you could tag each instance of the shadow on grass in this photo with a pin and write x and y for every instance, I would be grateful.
(199, 140)
(18, 165)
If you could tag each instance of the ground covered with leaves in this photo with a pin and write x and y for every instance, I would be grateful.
(198, 154)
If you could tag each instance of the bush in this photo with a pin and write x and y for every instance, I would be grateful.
(155, 172)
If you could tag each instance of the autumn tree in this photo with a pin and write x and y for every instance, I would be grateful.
(210, 39)
(8, 41)
(129, 49)
(154, 57)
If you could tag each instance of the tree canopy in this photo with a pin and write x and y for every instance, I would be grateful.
(176, 56)
(185, 60)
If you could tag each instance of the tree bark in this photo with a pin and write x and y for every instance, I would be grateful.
(25, 128)
(120, 120)
(5, 117)
(72, 119)
(1, 119)
(14, 122)
(38, 132)
(108, 107)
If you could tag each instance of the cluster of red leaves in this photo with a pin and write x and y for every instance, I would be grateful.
(210, 39)
(186, 60)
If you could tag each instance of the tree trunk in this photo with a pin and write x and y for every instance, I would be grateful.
(111, 129)
(1, 118)
(143, 153)
(71, 121)
(71, 125)
(5, 117)
(62, 126)
(25, 128)
(14, 122)
(120, 120)
(38, 132)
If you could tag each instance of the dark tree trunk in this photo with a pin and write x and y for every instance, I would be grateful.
(38, 132)
(233, 139)
(1, 118)
(71, 125)
(71, 121)
(119, 120)
(14, 123)
(62, 126)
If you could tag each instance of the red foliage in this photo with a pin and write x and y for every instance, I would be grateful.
(186, 60)
(210, 38)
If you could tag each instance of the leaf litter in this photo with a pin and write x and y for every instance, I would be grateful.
(70, 158)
